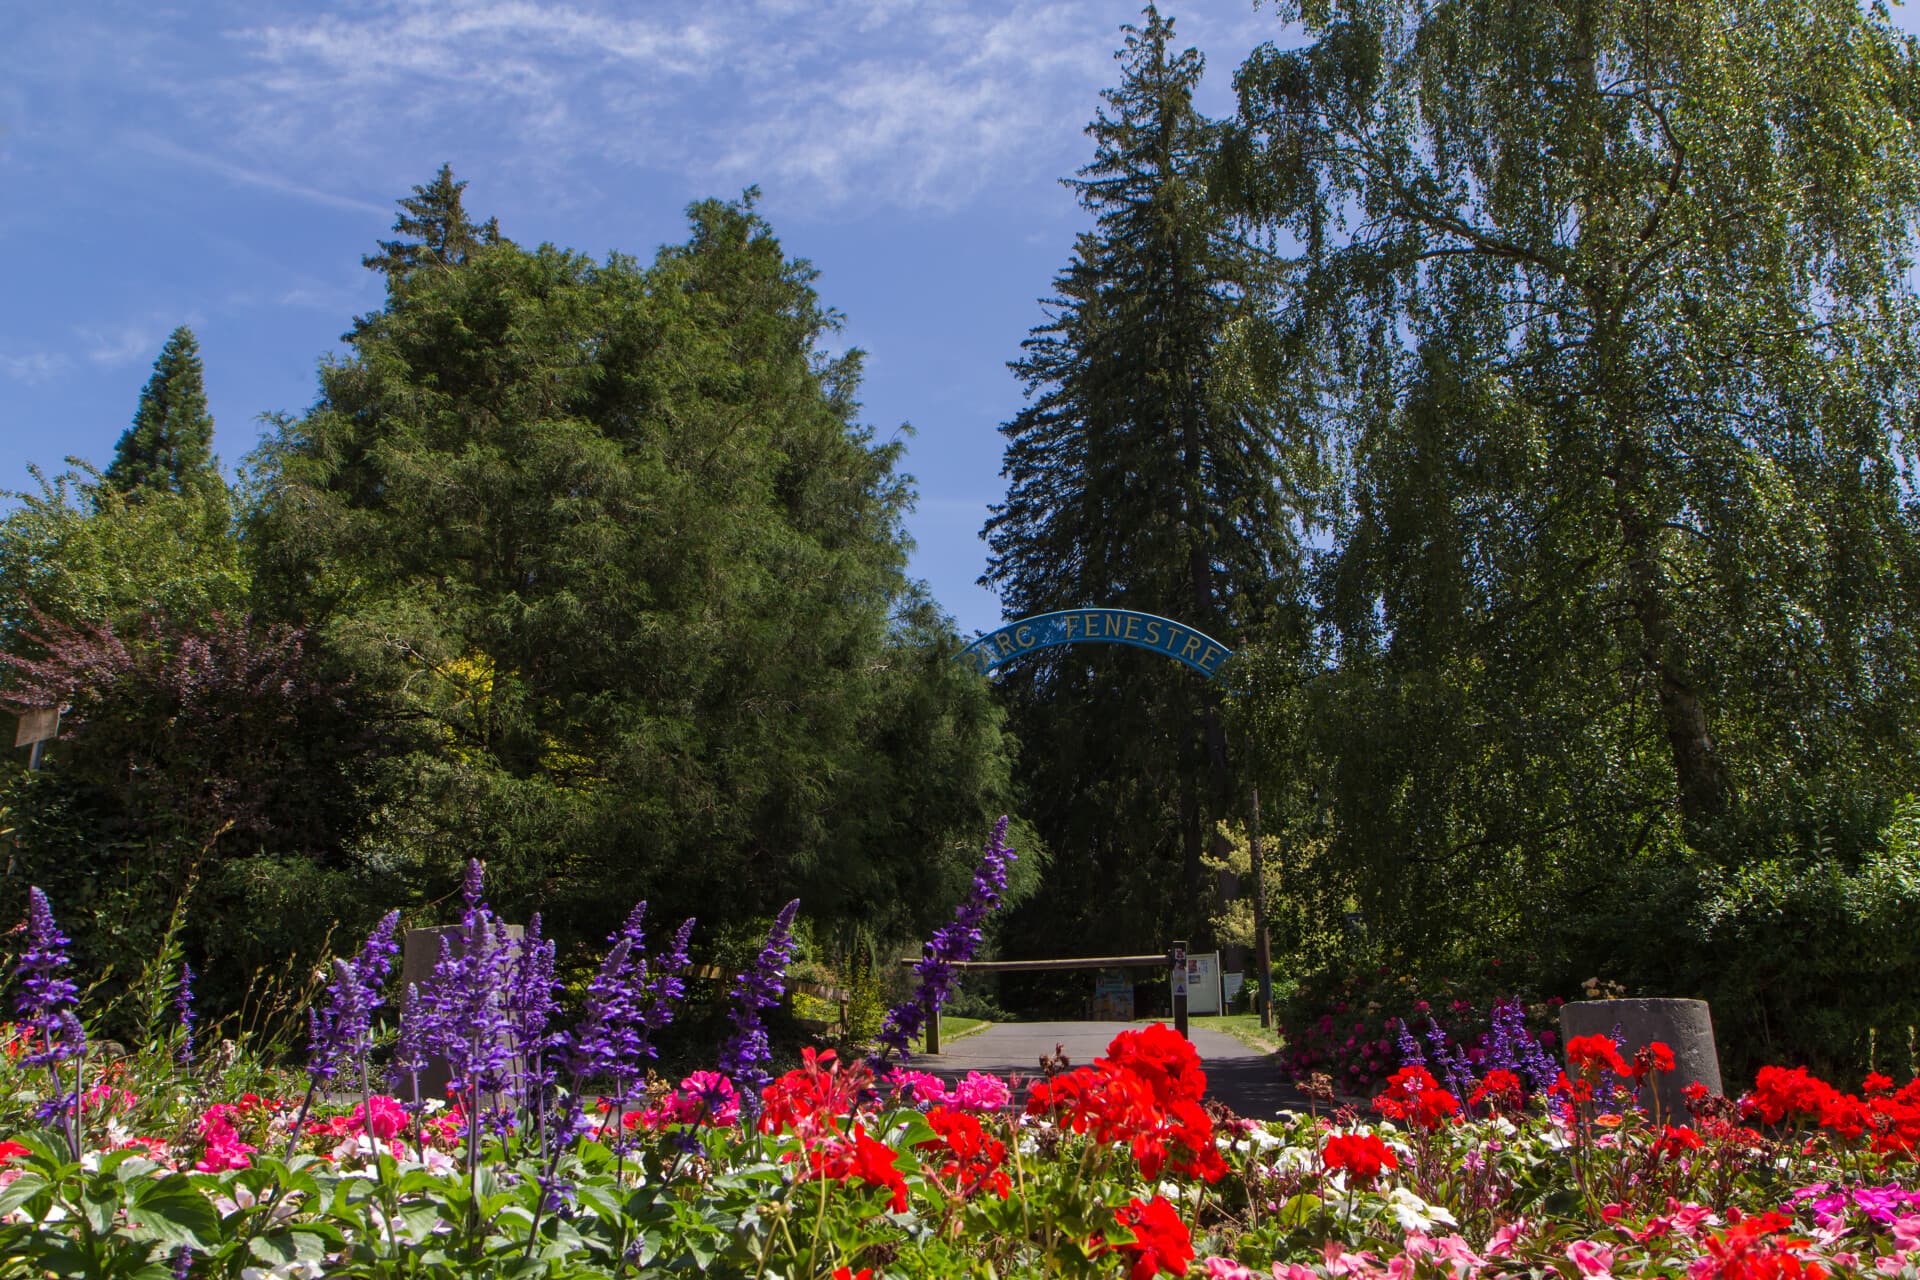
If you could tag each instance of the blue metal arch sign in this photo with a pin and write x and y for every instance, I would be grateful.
(1096, 626)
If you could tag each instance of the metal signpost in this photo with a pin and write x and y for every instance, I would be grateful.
(38, 726)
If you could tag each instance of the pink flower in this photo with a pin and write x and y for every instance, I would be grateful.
(1594, 1260)
(981, 1092)
(712, 1098)
(389, 1117)
(224, 1148)
(1503, 1240)
(1456, 1251)
(917, 1087)
(1341, 1263)
(1228, 1269)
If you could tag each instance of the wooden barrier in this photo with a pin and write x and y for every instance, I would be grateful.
(1174, 960)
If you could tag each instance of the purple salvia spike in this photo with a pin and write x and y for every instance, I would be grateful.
(183, 1006)
(950, 945)
(760, 987)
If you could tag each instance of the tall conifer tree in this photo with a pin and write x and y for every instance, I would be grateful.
(170, 444)
(1153, 469)
(442, 234)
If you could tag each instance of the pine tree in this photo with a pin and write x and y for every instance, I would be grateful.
(442, 233)
(1153, 469)
(170, 444)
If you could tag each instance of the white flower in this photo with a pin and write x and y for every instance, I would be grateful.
(1261, 1136)
(298, 1269)
(1296, 1160)
(1416, 1214)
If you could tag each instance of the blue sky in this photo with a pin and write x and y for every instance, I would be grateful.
(225, 165)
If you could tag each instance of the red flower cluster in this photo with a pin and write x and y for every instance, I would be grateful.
(1161, 1242)
(1596, 1054)
(1413, 1095)
(1655, 1055)
(808, 1100)
(1362, 1155)
(1500, 1091)
(1677, 1141)
(970, 1160)
(1146, 1093)
(875, 1163)
(1794, 1095)
(1750, 1250)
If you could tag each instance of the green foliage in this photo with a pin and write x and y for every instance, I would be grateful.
(78, 550)
(1606, 305)
(169, 447)
(1157, 467)
(610, 536)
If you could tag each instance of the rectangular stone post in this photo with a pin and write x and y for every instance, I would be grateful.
(420, 952)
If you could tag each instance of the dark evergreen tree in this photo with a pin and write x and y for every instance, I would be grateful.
(1154, 469)
(611, 535)
(170, 444)
(442, 235)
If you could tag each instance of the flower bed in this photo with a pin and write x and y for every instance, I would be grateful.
(557, 1154)
(1114, 1168)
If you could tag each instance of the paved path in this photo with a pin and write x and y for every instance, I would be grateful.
(1245, 1079)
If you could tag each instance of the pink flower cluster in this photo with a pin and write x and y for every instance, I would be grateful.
(224, 1148)
(977, 1091)
(705, 1097)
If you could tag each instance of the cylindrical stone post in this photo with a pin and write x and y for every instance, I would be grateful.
(420, 951)
(1685, 1026)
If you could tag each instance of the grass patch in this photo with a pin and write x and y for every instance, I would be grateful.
(1244, 1027)
(952, 1029)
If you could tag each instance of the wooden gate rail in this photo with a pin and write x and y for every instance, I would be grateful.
(1172, 959)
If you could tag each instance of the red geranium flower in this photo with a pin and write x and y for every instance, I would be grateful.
(1674, 1140)
(1596, 1053)
(874, 1163)
(1501, 1089)
(1362, 1155)
(1655, 1055)
(975, 1160)
(1413, 1095)
(1161, 1242)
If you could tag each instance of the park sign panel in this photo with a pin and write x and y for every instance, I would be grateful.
(1096, 626)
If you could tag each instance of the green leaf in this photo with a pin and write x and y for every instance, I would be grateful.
(20, 1190)
(175, 1212)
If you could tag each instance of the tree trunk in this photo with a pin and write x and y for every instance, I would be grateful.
(1699, 775)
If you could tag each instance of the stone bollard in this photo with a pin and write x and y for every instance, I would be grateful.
(420, 951)
(1685, 1026)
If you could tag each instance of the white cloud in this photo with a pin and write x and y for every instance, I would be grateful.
(121, 344)
(832, 102)
(33, 366)
(249, 177)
